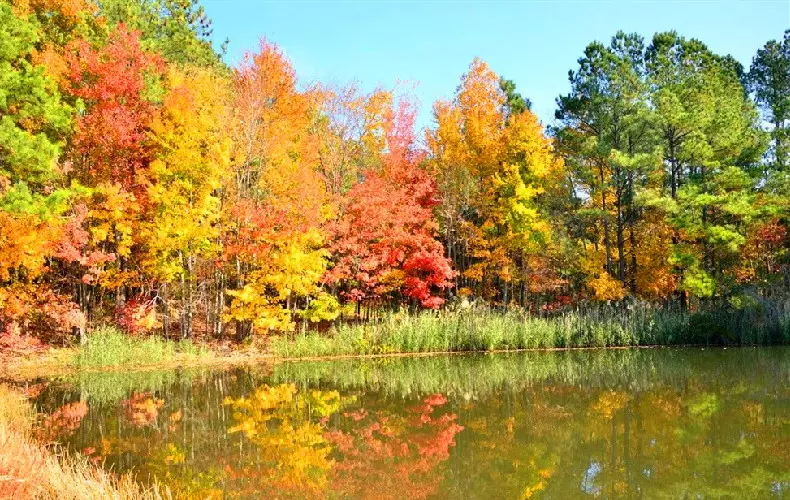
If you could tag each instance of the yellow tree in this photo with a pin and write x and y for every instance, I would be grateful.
(275, 204)
(491, 165)
(288, 428)
(193, 159)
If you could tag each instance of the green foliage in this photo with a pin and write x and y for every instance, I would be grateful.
(662, 138)
(698, 282)
(323, 307)
(177, 29)
(487, 375)
(769, 80)
(20, 200)
(515, 103)
(110, 387)
(32, 116)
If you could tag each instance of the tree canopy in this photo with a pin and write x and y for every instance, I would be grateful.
(144, 181)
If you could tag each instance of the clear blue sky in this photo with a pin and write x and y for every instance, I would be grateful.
(533, 42)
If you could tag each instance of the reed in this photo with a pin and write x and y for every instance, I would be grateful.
(485, 329)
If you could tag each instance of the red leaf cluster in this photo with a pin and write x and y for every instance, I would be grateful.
(112, 83)
(384, 243)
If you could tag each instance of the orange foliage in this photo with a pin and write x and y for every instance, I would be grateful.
(62, 422)
(142, 409)
(387, 457)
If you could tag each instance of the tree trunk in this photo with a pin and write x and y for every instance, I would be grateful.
(634, 270)
(219, 304)
(605, 219)
(243, 329)
(620, 230)
(165, 311)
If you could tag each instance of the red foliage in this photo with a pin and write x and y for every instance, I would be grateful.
(111, 133)
(73, 244)
(62, 422)
(14, 344)
(773, 233)
(136, 315)
(254, 227)
(38, 309)
(381, 458)
(142, 409)
(434, 400)
(32, 391)
(384, 242)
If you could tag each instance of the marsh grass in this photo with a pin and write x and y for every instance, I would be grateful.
(108, 346)
(30, 470)
(483, 329)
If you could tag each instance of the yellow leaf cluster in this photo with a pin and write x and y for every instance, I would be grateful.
(495, 166)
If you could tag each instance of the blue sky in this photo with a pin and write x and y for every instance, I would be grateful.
(431, 43)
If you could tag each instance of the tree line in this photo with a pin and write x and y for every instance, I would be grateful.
(145, 182)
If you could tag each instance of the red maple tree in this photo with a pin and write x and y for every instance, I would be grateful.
(112, 82)
(384, 242)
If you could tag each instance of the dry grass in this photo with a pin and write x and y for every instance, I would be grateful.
(63, 361)
(29, 470)
(53, 361)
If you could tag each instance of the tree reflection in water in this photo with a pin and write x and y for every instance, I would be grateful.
(658, 423)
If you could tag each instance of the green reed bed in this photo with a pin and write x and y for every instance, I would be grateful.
(108, 346)
(477, 329)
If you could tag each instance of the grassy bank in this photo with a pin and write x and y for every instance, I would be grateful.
(462, 330)
(109, 349)
(30, 470)
(489, 330)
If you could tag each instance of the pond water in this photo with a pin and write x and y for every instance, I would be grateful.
(643, 423)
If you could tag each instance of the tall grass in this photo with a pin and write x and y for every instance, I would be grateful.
(29, 470)
(488, 330)
(108, 346)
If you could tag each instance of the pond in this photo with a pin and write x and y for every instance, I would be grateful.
(611, 423)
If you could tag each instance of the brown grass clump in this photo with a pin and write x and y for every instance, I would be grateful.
(30, 470)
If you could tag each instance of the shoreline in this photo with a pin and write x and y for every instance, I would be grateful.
(43, 366)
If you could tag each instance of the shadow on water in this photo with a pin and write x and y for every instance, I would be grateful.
(613, 423)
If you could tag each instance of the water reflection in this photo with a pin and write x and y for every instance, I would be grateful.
(288, 430)
(630, 424)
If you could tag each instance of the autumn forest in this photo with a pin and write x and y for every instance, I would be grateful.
(146, 184)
